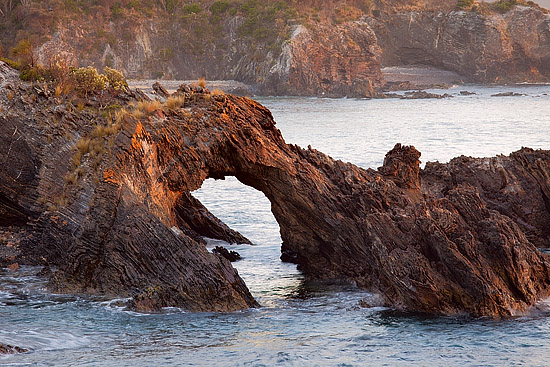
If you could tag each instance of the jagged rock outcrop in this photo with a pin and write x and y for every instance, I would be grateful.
(510, 47)
(517, 186)
(444, 240)
(94, 233)
(327, 60)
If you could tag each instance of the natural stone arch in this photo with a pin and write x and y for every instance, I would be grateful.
(425, 240)
(441, 253)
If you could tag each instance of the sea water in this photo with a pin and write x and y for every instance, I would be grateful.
(302, 323)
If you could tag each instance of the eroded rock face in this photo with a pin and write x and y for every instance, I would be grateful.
(447, 239)
(318, 60)
(95, 231)
(328, 61)
(517, 186)
(513, 47)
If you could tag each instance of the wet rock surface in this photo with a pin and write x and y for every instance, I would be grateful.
(507, 94)
(10, 349)
(452, 238)
(229, 255)
(422, 94)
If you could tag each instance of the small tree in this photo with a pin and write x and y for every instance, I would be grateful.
(23, 53)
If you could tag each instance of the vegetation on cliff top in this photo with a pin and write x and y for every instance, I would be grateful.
(262, 21)
(38, 19)
(102, 32)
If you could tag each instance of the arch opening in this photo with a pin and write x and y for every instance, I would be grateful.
(248, 211)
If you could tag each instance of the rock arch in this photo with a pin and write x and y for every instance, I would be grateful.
(394, 231)
(449, 239)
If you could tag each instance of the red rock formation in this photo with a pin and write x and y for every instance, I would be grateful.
(517, 186)
(328, 60)
(427, 241)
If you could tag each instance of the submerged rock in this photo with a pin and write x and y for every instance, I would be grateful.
(229, 255)
(451, 238)
(507, 94)
(10, 349)
(422, 94)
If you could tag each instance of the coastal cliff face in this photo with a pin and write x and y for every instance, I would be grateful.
(285, 48)
(157, 49)
(328, 61)
(320, 60)
(105, 204)
(495, 48)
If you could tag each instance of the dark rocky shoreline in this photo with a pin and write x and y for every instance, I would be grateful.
(120, 219)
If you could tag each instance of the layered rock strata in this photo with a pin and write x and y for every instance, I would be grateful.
(495, 48)
(327, 61)
(120, 219)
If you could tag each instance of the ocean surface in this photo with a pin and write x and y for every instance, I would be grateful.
(303, 323)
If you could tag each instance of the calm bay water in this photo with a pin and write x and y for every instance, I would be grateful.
(302, 323)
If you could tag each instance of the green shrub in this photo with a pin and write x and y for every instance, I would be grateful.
(12, 63)
(88, 80)
(265, 21)
(191, 9)
(36, 73)
(219, 7)
(23, 53)
(115, 79)
(116, 11)
(504, 6)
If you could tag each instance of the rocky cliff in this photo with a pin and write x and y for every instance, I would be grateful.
(315, 48)
(83, 196)
(306, 63)
(299, 62)
(100, 196)
(493, 48)
(347, 65)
